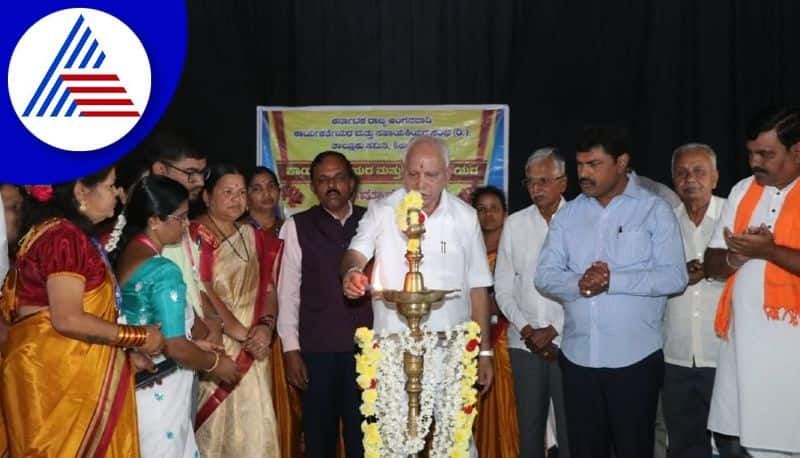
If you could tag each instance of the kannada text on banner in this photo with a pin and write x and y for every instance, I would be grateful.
(374, 139)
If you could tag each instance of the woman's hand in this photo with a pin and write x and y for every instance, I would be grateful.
(258, 341)
(155, 341)
(226, 371)
(141, 362)
(205, 345)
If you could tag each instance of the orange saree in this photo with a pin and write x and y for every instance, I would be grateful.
(496, 430)
(62, 396)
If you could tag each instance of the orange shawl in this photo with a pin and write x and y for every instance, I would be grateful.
(781, 287)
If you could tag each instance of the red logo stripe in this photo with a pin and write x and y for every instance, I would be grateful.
(104, 101)
(110, 114)
(97, 89)
(98, 77)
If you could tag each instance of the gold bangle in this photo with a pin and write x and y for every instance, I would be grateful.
(216, 363)
(131, 336)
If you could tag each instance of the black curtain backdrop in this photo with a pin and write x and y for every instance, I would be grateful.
(673, 71)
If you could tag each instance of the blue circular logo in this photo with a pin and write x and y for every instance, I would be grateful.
(85, 84)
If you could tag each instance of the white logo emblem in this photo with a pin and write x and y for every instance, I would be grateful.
(79, 79)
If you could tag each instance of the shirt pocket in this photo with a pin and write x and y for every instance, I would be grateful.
(445, 266)
(630, 248)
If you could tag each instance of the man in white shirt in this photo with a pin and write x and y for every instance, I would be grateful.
(756, 245)
(690, 343)
(455, 255)
(536, 321)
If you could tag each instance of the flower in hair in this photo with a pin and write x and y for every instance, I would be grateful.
(41, 192)
(113, 239)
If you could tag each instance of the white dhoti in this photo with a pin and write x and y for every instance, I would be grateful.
(755, 391)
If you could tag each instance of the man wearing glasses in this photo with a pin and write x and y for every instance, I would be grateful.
(173, 158)
(536, 321)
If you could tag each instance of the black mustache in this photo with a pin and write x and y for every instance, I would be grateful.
(586, 181)
(759, 170)
(333, 191)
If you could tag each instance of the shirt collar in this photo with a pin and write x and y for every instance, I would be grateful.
(346, 216)
(711, 212)
(633, 188)
(443, 206)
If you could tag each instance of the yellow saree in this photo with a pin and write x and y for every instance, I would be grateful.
(62, 396)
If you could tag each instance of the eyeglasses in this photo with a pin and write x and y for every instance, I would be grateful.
(543, 182)
(182, 217)
(192, 174)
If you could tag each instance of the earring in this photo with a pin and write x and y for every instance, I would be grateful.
(82, 207)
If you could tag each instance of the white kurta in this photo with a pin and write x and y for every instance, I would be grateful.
(755, 390)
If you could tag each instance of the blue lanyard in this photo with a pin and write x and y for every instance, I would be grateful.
(117, 290)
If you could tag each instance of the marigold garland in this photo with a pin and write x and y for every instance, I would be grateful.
(384, 403)
(409, 212)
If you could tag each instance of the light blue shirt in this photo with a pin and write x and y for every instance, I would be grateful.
(638, 236)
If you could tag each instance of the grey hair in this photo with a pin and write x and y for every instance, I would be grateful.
(549, 152)
(690, 146)
(431, 141)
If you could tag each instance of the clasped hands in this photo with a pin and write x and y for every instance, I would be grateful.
(540, 341)
(259, 339)
(595, 280)
(753, 243)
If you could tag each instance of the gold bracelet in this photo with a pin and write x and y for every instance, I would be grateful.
(216, 363)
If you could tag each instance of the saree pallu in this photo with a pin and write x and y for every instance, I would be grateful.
(238, 421)
(65, 397)
(496, 430)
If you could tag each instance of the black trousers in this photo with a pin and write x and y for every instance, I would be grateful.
(332, 395)
(686, 399)
(612, 409)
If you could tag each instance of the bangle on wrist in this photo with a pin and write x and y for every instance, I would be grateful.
(131, 336)
(728, 261)
(486, 353)
(216, 363)
(267, 320)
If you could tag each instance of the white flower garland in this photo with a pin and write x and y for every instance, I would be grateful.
(113, 239)
(450, 387)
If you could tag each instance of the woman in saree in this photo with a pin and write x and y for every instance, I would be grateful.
(237, 264)
(496, 429)
(153, 292)
(263, 198)
(263, 213)
(66, 384)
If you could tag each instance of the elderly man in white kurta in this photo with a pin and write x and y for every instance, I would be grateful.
(536, 321)
(690, 343)
(756, 245)
(455, 255)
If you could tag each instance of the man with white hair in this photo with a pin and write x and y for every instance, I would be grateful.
(536, 321)
(455, 255)
(690, 344)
